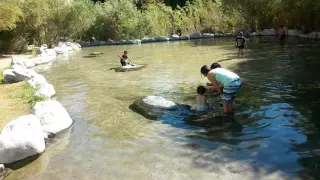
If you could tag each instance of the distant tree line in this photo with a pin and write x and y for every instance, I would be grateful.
(37, 22)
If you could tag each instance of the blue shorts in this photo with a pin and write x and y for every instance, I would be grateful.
(230, 91)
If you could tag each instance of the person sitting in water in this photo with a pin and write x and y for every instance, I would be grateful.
(282, 32)
(201, 100)
(124, 58)
(225, 82)
(240, 43)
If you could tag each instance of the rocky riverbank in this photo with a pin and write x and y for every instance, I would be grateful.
(198, 35)
(26, 135)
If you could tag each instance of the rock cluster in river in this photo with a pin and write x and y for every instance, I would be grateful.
(198, 35)
(25, 136)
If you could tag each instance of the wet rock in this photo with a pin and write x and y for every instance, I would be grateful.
(130, 67)
(96, 53)
(163, 38)
(152, 107)
(292, 32)
(174, 37)
(74, 46)
(207, 35)
(21, 138)
(136, 41)
(186, 37)
(148, 40)
(254, 34)
(53, 116)
(196, 35)
(269, 32)
(43, 59)
(50, 52)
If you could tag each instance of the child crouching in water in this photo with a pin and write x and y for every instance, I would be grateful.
(201, 99)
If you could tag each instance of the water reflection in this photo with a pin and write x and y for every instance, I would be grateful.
(278, 103)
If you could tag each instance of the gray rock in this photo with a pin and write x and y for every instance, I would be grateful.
(152, 107)
(51, 52)
(195, 35)
(174, 37)
(43, 59)
(185, 37)
(17, 75)
(96, 53)
(52, 115)
(20, 139)
(47, 90)
(130, 67)
(37, 81)
(269, 32)
(207, 35)
(148, 40)
(293, 32)
(163, 38)
(135, 41)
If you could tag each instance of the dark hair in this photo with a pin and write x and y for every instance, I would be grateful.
(204, 70)
(201, 90)
(240, 33)
(215, 65)
(281, 25)
(125, 52)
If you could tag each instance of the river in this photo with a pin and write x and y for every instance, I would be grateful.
(280, 97)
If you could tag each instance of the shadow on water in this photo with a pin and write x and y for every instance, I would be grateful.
(281, 100)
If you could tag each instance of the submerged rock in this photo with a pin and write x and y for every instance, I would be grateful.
(21, 138)
(96, 53)
(152, 107)
(52, 115)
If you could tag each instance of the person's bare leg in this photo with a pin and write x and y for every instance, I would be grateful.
(225, 107)
(238, 52)
(241, 52)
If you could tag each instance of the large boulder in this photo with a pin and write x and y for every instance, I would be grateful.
(51, 52)
(43, 59)
(129, 67)
(269, 32)
(135, 41)
(18, 65)
(21, 138)
(293, 32)
(17, 75)
(52, 115)
(37, 81)
(46, 90)
(153, 107)
(207, 35)
(148, 40)
(174, 37)
(185, 37)
(163, 38)
(195, 35)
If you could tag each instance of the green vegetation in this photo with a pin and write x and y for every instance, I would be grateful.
(24, 22)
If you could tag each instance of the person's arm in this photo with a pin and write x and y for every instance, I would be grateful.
(120, 57)
(214, 83)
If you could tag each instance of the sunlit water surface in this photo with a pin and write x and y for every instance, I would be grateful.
(280, 97)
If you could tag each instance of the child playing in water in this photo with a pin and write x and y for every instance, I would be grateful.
(123, 58)
(240, 44)
(201, 99)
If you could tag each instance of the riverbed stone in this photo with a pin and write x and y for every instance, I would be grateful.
(269, 32)
(129, 67)
(96, 53)
(153, 107)
(135, 41)
(163, 38)
(195, 35)
(21, 138)
(51, 52)
(207, 35)
(312, 35)
(43, 59)
(52, 115)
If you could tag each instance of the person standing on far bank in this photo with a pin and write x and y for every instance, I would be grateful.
(240, 44)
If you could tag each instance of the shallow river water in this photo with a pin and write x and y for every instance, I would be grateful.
(280, 97)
